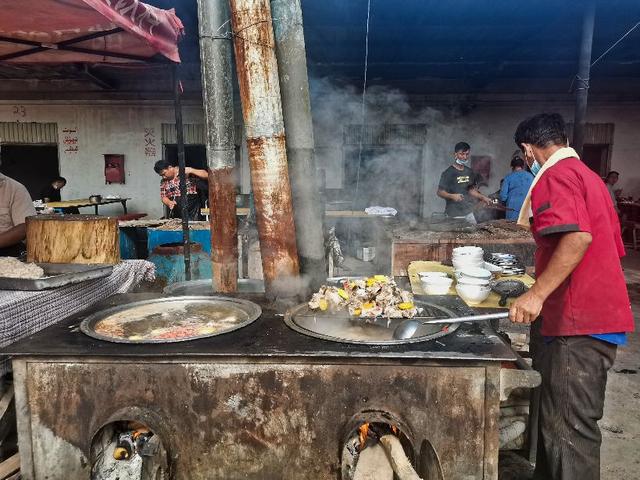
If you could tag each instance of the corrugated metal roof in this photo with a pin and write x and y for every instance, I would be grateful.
(31, 133)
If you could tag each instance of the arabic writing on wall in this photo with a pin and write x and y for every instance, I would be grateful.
(70, 140)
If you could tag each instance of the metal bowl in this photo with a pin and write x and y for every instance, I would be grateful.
(249, 312)
(379, 331)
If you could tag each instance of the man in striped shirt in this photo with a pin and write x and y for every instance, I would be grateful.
(170, 189)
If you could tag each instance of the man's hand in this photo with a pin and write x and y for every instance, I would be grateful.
(171, 204)
(456, 197)
(526, 308)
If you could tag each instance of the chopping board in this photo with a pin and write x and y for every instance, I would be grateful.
(426, 266)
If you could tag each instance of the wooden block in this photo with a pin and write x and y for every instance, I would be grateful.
(10, 466)
(87, 239)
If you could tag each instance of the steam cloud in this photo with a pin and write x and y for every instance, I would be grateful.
(401, 171)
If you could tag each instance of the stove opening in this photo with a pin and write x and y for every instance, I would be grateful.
(128, 450)
(376, 448)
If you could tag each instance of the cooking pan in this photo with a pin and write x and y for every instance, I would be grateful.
(508, 289)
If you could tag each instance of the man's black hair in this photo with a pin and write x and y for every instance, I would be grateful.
(517, 162)
(59, 179)
(542, 130)
(161, 165)
(462, 147)
(612, 172)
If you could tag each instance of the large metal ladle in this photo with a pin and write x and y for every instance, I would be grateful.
(408, 328)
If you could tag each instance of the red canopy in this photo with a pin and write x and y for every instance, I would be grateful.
(96, 31)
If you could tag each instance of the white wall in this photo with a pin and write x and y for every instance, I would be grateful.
(101, 129)
(120, 128)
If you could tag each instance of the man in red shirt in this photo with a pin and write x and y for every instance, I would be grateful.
(580, 294)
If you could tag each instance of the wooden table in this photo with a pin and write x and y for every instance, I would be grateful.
(408, 248)
(85, 202)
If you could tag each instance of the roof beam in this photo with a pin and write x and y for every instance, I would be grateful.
(64, 45)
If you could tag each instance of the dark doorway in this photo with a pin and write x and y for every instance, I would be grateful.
(389, 177)
(596, 157)
(32, 165)
(195, 156)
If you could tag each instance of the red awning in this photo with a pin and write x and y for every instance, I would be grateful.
(95, 31)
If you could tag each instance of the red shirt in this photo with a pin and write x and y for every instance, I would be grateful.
(569, 197)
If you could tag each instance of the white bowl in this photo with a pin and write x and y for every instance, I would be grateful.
(475, 272)
(483, 282)
(467, 249)
(473, 294)
(436, 285)
(459, 266)
(468, 256)
(422, 275)
(495, 269)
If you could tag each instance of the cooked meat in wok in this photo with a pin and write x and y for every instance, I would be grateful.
(376, 296)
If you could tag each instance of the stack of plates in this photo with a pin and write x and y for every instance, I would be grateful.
(509, 263)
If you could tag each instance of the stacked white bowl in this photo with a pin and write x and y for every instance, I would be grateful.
(468, 256)
(473, 280)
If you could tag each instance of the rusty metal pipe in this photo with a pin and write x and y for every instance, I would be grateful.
(217, 93)
(582, 78)
(296, 109)
(257, 73)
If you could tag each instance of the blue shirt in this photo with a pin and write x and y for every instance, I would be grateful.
(619, 338)
(515, 187)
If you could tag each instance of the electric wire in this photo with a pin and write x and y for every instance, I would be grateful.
(363, 115)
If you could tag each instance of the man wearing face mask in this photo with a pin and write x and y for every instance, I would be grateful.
(580, 293)
(459, 185)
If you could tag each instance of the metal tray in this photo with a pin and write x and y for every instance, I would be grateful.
(57, 275)
(250, 309)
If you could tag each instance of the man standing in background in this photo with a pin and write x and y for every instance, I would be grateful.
(459, 184)
(611, 181)
(515, 187)
(170, 189)
(51, 193)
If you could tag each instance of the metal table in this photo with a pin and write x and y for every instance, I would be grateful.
(85, 202)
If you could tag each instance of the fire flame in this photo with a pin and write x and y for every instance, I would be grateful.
(362, 433)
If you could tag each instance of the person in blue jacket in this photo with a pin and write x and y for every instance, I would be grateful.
(515, 187)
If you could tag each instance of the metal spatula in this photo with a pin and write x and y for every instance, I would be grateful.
(409, 327)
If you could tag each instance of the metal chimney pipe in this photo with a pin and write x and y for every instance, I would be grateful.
(296, 107)
(217, 93)
(257, 73)
(582, 79)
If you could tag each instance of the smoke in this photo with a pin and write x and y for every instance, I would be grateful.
(406, 146)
